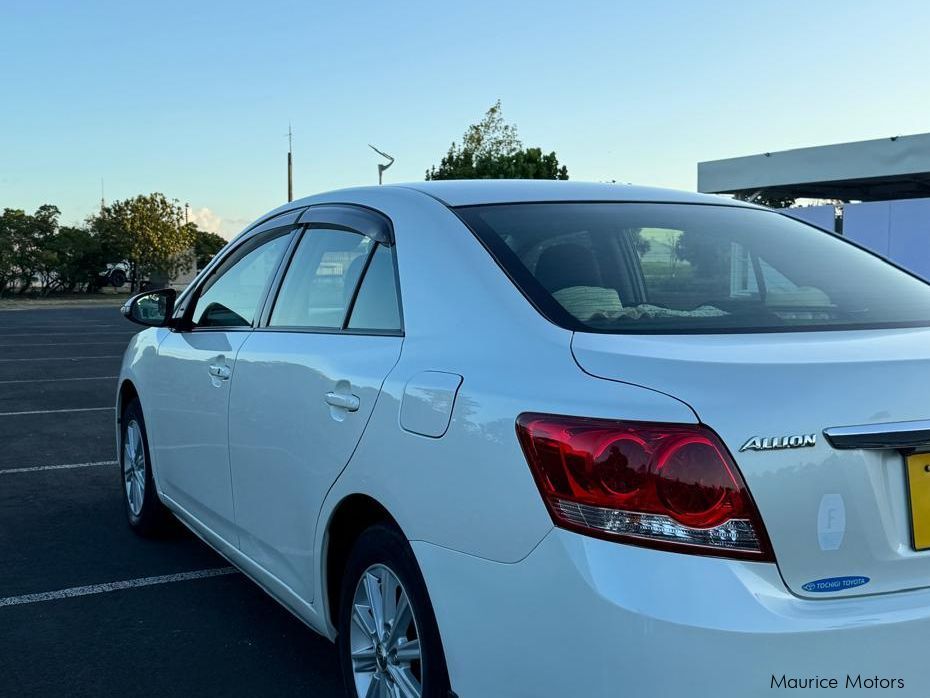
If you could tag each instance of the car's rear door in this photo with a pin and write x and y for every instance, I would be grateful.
(187, 407)
(306, 382)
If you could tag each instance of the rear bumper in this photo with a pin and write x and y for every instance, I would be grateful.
(582, 616)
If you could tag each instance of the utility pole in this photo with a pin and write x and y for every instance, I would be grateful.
(381, 166)
(290, 164)
(103, 201)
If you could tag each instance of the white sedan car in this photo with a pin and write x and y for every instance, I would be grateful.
(524, 439)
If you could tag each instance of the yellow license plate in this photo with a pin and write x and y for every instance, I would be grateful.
(918, 478)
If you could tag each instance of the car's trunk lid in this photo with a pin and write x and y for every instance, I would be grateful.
(832, 514)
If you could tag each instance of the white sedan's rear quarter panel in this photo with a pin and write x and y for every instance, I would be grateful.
(472, 490)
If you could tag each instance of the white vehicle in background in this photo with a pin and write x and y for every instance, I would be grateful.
(525, 439)
(116, 274)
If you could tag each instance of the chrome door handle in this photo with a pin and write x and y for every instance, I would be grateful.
(222, 372)
(349, 403)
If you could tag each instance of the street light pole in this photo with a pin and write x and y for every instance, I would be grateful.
(290, 165)
(381, 166)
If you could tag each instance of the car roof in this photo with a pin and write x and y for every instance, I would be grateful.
(471, 192)
(476, 192)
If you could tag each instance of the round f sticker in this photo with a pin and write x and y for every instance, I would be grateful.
(831, 522)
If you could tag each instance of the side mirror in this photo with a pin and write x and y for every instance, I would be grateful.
(151, 308)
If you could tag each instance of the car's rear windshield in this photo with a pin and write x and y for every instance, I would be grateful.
(691, 268)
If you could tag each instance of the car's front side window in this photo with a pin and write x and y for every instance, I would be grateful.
(231, 297)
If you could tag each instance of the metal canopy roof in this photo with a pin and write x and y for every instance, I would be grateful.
(887, 168)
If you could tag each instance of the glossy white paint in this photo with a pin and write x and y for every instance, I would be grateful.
(429, 397)
(187, 407)
(557, 613)
(800, 383)
(287, 445)
(585, 617)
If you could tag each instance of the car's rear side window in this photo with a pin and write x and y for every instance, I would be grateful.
(321, 279)
(376, 306)
(659, 268)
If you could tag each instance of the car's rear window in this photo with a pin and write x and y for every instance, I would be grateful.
(690, 268)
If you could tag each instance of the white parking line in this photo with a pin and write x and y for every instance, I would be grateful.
(62, 344)
(86, 329)
(56, 380)
(76, 409)
(66, 466)
(61, 324)
(66, 358)
(69, 334)
(115, 586)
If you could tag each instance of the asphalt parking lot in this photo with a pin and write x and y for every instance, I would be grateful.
(86, 606)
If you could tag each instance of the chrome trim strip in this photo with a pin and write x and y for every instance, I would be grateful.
(914, 434)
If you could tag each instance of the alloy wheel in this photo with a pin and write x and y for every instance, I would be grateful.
(134, 467)
(385, 644)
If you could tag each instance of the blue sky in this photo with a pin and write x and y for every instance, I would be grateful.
(193, 99)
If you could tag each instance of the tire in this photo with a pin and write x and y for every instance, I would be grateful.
(146, 514)
(381, 559)
(118, 278)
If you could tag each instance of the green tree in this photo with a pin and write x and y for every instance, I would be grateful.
(491, 149)
(79, 258)
(492, 136)
(148, 232)
(7, 249)
(40, 253)
(206, 245)
(24, 247)
(709, 255)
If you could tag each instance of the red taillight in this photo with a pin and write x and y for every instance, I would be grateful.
(670, 486)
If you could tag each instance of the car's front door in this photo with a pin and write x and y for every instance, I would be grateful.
(196, 366)
(306, 382)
